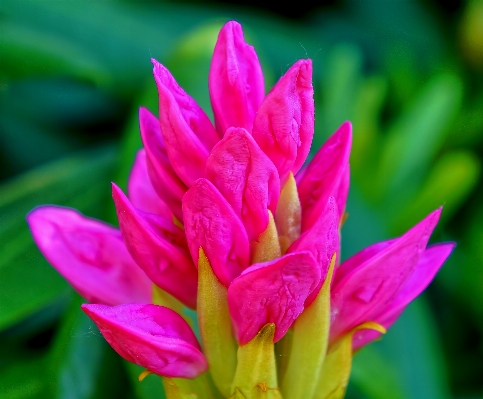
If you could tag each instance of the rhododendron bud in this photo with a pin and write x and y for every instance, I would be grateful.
(226, 220)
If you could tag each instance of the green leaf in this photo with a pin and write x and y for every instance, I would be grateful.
(26, 144)
(369, 102)
(121, 36)
(149, 388)
(341, 78)
(24, 379)
(417, 135)
(190, 62)
(463, 273)
(413, 346)
(375, 376)
(449, 183)
(26, 51)
(363, 227)
(81, 363)
(76, 358)
(58, 101)
(27, 282)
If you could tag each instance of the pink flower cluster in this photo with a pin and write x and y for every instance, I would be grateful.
(238, 191)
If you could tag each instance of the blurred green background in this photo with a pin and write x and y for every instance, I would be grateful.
(408, 74)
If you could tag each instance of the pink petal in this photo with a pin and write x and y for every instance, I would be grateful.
(364, 292)
(272, 292)
(90, 255)
(165, 181)
(235, 81)
(284, 124)
(359, 258)
(246, 177)
(211, 223)
(429, 264)
(150, 336)
(186, 152)
(322, 241)
(326, 176)
(190, 111)
(141, 191)
(158, 247)
(343, 191)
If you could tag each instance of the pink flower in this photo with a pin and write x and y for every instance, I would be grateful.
(233, 201)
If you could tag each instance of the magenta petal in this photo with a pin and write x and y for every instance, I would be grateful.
(359, 258)
(165, 181)
(190, 111)
(284, 124)
(157, 247)
(364, 291)
(141, 191)
(90, 255)
(272, 292)
(427, 267)
(186, 151)
(235, 81)
(246, 177)
(343, 191)
(322, 241)
(210, 223)
(326, 176)
(150, 336)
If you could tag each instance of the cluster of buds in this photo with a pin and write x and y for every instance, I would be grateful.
(227, 221)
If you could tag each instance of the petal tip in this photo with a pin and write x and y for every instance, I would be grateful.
(234, 26)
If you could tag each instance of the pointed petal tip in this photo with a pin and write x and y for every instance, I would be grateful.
(233, 26)
(143, 112)
(432, 219)
(117, 193)
(162, 76)
(118, 197)
(345, 130)
(88, 308)
(157, 65)
(301, 70)
(445, 247)
(303, 65)
(348, 125)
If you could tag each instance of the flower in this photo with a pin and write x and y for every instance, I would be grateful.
(227, 221)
